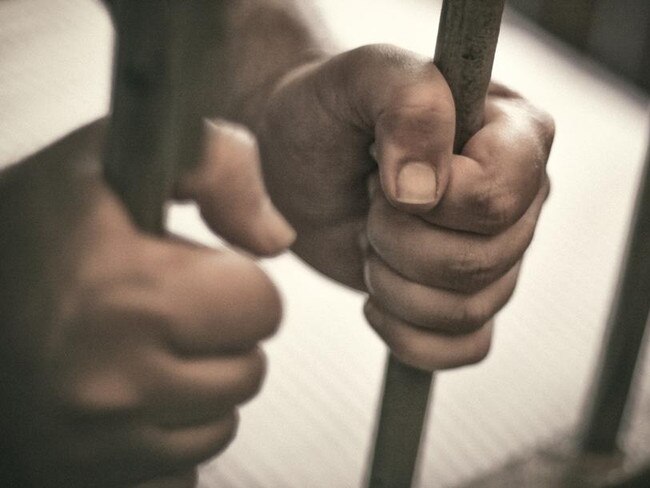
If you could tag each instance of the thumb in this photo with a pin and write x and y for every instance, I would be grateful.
(227, 185)
(407, 102)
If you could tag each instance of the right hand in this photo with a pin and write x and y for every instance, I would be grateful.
(124, 356)
(442, 235)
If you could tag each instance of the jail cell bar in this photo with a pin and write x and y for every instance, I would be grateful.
(465, 49)
(624, 336)
(161, 79)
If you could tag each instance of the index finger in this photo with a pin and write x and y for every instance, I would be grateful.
(501, 168)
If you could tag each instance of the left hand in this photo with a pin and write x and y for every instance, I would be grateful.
(442, 235)
(124, 356)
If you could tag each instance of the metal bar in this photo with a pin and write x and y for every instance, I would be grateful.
(401, 422)
(159, 89)
(624, 336)
(467, 39)
(161, 83)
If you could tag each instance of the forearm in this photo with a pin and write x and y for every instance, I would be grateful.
(265, 39)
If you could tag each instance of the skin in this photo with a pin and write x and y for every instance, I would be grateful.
(439, 250)
(125, 356)
(439, 258)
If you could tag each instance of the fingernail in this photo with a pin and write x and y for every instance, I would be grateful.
(416, 183)
(280, 234)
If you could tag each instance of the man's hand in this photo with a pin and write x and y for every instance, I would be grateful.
(124, 356)
(358, 149)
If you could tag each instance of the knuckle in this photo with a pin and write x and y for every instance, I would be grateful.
(424, 92)
(410, 352)
(479, 347)
(372, 276)
(401, 341)
(496, 211)
(542, 120)
(382, 325)
(374, 227)
(230, 133)
(374, 317)
(546, 125)
(383, 53)
(99, 397)
(471, 316)
(224, 433)
(400, 345)
(264, 296)
(470, 271)
(206, 444)
(252, 376)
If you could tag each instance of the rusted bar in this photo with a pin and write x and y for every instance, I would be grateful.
(467, 39)
(161, 77)
(624, 336)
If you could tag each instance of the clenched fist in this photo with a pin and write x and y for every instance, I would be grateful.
(357, 153)
(125, 356)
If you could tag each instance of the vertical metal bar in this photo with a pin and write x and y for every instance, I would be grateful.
(400, 426)
(467, 42)
(467, 39)
(162, 80)
(160, 86)
(624, 336)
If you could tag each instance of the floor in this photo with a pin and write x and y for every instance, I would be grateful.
(312, 425)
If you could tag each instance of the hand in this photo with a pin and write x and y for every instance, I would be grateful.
(124, 356)
(442, 235)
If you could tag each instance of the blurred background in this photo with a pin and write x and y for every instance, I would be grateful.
(614, 32)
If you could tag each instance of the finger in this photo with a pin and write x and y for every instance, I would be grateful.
(500, 170)
(228, 188)
(135, 452)
(407, 101)
(209, 302)
(435, 309)
(424, 349)
(181, 449)
(187, 479)
(441, 258)
(146, 452)
(139, 448)
(192, 391)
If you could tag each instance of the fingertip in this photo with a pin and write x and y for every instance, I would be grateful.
(269, 234)
(413, 153)
(275, 234)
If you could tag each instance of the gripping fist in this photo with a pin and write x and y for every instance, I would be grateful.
(358, 150)
(125, 355)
